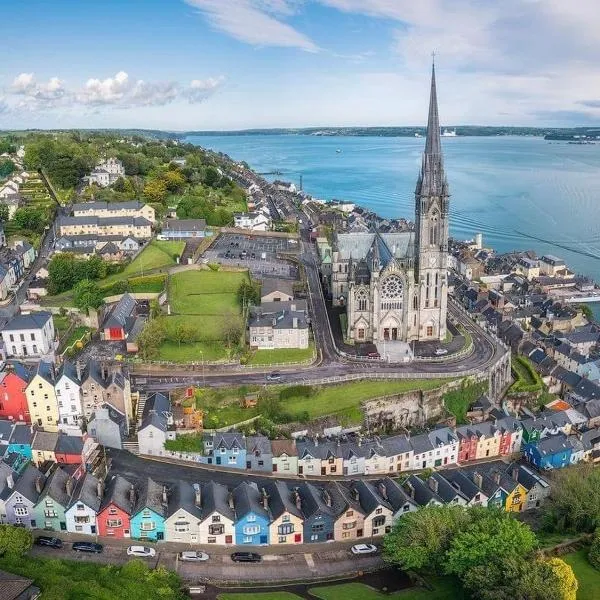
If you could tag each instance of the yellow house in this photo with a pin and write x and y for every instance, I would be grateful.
(287, 521)
(43, 447)
(41, 398)
(512, 494)
(488, 442)
(350, 523)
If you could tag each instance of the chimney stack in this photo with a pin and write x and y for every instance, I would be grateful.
(38, 484)
(79, 367)
(165, 498)
(132, 495)
(433, 484)
(382, 490)
(297, 500)
(10, 482)
(100, 489)
(197, 495)
(478, 479)
(327, 498)
(411, 489)
(515, 473)
(355, 495)
(295, 322)
(69, 487)
(497, 476)
(265, 499)
(230, 500)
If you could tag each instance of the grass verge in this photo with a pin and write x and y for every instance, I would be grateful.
(587, 576)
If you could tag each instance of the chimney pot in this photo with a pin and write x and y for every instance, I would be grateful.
(69, 487)
(100, 489)
(38, 484)
(10, 482)
(197, 495)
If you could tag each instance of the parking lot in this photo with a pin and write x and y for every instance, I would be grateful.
(256, 253)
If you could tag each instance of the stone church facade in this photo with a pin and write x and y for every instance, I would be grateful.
(395, 285)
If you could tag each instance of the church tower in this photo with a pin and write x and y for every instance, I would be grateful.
(431, 224)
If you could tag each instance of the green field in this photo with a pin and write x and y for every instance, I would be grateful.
(259, 596)
(587, 576)
(458, 401)
(282, 355)
(155, 255)
(444, 589)
(344, 400)
(206, 300)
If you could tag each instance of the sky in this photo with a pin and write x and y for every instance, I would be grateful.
(235, 64)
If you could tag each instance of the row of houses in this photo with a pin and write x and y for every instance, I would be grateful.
(10, 189)
(276, 513)
(64, 398)
(138, 228)
(15, 260)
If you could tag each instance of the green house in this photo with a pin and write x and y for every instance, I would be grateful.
(53, 501)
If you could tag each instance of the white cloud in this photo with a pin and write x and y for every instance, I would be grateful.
(34, 93)
(199, 90)
(255, 22)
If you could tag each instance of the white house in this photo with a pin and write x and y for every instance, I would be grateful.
(184, 513)
(80, 516)
(255, 221)
(69, 396)
(154, 430)
(29, 336)
(445, 446)
(278, 326)
(106, 172)
(217, 526)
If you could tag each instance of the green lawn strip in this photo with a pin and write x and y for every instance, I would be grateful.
(445, 588)
(70, 580)
(458, 401)
(61, 324)
(208, 327)
(76, 335)
(345, 399)
(587, 576)
(173, 352)
(261, 596)
(282, 355)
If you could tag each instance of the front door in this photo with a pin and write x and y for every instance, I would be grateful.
(323, 471)
(63, 526)
(386, 333)
(394, 333)
(92, 529)
(300, 470)
(263, 539)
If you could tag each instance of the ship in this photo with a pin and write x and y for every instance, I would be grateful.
(449, 133)
(338, 150)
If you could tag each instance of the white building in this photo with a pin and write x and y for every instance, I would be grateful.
(29, 336)
(106, 172)
(80, 516)
(154, 430)
(255, 221)
(69, 396)
(279, 326)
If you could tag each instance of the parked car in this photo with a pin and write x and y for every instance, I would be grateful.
(87, 547)
(373, 355)
(274, 376)
(191, 556)
(142, 551)
(52, 542)
(363, 549)
(441, 352)
(252, 557)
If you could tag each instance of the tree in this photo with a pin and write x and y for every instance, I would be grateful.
(174, 180)
(87, 294)
(594, 553)
(212, 177)
(7, 167)
(151, 338)
(184, 334)
(61, 272)
(155, 190)
(232, 330)
(30, 219)
(4, 213)
(420, 540)
(248, 294)
(563, 579)
(15, 540)
(492, 535)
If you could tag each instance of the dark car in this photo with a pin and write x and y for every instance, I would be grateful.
(44, 540)
(87, 547)
(252, 557)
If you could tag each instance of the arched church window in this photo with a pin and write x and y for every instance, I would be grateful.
(361, 300)
(392, 290)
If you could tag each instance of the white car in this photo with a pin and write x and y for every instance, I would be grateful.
(192, 556)
(363, 549)
(142, 551)
(441, 352)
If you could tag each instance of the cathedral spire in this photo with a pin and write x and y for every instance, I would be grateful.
(433, 145)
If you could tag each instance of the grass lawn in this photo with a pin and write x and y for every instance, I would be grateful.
(282, 355)
(155, 256)
(458, 401)
(588, 577)
(61, 324)
(76, 335)
(445, 589)
(262, 596)
(172, 352)
(344, 400)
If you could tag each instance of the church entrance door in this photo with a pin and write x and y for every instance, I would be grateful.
(386, 333)
(394, 333)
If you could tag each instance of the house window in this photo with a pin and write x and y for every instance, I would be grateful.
(216, 519)
(21, 511)
(379, 511)
(182, 526)
(318, 527)
(286, 529)
(114, 522)
(429, 330)
(216, 529)
(251, 518)
(212, 540)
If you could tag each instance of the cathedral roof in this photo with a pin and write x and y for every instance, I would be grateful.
(359, 245)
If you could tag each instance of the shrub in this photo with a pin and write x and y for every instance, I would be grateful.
(296, 391)
(594, 553)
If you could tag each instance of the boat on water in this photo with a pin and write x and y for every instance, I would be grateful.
(338, 150)
(449, 133)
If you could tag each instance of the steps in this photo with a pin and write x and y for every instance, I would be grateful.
(132, 447)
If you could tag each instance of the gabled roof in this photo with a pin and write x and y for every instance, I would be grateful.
(281, 499)
(86, 491)
(123, 310)
(22, 434)
(281, 447)
(183, 496)
(248, 499)
(56, 487)
(312, 501)
(25, 484)
(151, 496)
(393, 493)
(6, 429)
(369, 497)
(68, 370)
(45, 441)
(69, 444)
(215, 498)
(118, 493)
(15, 587)
(422, 494)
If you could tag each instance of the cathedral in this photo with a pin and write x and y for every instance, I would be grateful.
(395, 285)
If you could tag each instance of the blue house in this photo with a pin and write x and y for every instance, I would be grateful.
(150, 512)
(226, 449)
(21, 440)
(319, 514)
(251, 515)
(553, 452)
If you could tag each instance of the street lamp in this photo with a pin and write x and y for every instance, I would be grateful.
(203, 378)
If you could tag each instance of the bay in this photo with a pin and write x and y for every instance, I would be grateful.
(520, 192)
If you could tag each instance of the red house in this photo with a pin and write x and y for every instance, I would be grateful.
(13, 400)
(467, 444)
(510, 442)
(114, 516)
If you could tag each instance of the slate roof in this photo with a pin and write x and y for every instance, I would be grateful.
(554, 444)
(183, 496)
(15, 587)
(248, 499)
(394, 494)
(258, 445)
(68, 370)
(312, 501)
(280, 319)
(462, 483)
(272, 284)
(281, 499)
(445, 490)
(86, 491)
(69, 444)
(22, 434)
(110, 248)
(215, 498)
(396, 445)
(35, 320)
(121, 312)
(443, 436)
(421, 443)
(107, 206)
(6, 429)
(184, 225)
(151, 496)
(527, 477)
(45, 441)
(228, 440)
(25, 484)
(117, 492)
(56, 487)
(423, 494)
(93, 371)
(368, 496)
